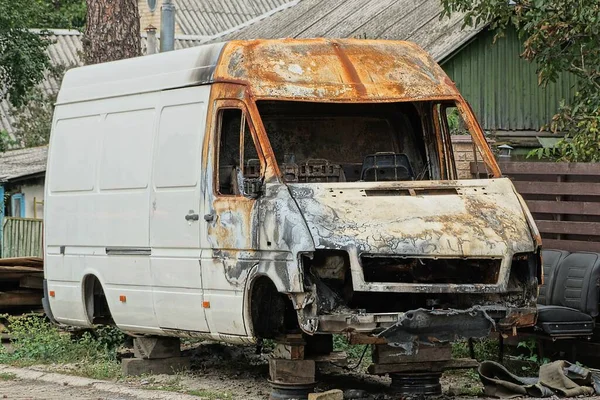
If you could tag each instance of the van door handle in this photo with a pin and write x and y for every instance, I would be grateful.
(192, 217)
(209, 217)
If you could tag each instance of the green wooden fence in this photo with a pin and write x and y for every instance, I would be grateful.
(22, 237)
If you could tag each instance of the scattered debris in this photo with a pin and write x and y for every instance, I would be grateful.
(557, 378)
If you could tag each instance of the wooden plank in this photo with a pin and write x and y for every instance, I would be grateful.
(571, 245)
(564, 207)
(20, 298)
(16, 276)
(542, 168)
(558, 188)
(18, 269)
(549, 168)
(32, 281)
(569, 227)
(33, 262)
(360, 338)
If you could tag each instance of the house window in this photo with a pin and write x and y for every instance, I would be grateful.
(17, 203)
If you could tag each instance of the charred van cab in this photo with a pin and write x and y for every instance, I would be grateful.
(282, 185)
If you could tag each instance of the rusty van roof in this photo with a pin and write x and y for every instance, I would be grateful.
(334, 69)
(311, 69)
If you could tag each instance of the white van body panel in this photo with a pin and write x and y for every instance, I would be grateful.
(175, 195)
(117, 201)
(153, 73)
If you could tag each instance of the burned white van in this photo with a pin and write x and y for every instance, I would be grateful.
(246, 189)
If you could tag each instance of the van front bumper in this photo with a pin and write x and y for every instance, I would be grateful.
(429, 326)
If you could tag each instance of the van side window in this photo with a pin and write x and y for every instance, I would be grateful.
(469, 160)
(235, 164)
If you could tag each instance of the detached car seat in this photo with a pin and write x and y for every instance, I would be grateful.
(570, 295)
(551, 259)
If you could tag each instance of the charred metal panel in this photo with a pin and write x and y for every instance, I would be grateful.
(330, 69)
(437, 326)
(343, 70)
(482, 220)
(272, 234)
(252, 237)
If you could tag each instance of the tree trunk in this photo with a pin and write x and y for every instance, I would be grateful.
(112, 31)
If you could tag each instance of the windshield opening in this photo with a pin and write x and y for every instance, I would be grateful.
(332, 142)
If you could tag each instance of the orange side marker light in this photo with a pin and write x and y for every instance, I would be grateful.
(52, 293)
(206, 304)
(122, 298)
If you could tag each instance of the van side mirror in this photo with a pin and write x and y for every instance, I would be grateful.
(253, 187)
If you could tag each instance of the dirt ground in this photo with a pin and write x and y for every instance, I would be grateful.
(219, 372)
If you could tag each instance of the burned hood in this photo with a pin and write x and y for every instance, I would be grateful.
(428, 218)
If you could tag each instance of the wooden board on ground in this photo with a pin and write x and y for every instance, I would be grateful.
(21, 284)
(20, 298)
(31, 281)
(433, 366)
(34, 262)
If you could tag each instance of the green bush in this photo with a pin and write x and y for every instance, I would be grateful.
(485, 349)
(35, 340)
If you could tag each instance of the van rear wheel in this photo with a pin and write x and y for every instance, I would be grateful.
(96, 305)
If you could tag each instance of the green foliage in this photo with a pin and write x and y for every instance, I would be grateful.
(530, 346)
(23, 58)
(581, 121)
(455, 122)
(485, 349)
(550, 153)
(62, 14)
(35, 340)
(559, 35)
(7, 376)
(22, 52)
(354, 352)
(34, 117)
(6, 141)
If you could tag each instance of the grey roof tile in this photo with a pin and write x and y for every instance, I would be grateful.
(414, 20)
(211, 17)
(23, 162)
(66, 51)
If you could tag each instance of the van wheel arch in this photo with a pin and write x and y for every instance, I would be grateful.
(272, 312)
(95, 303)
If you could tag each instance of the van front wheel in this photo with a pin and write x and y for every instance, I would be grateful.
(272, 313)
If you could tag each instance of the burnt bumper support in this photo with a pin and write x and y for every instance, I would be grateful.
(437, 326)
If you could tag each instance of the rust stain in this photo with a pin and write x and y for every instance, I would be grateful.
(349, 70)
(462, 223)
(331, 70)
(341, 70)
